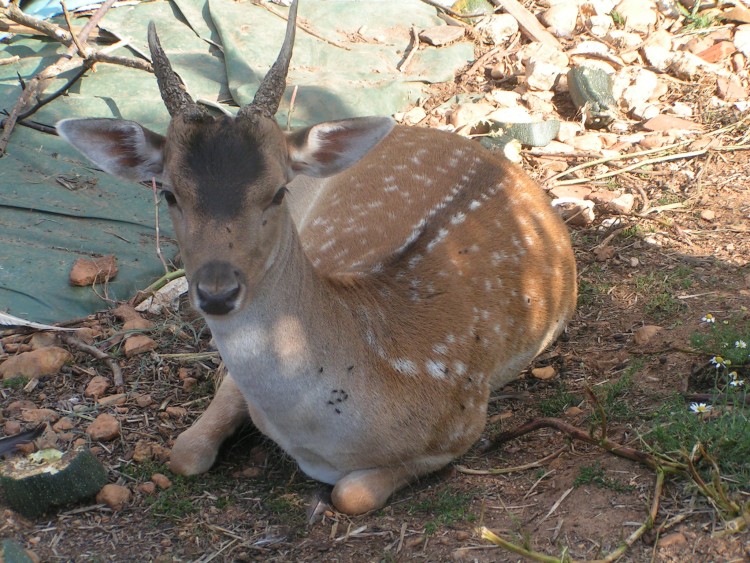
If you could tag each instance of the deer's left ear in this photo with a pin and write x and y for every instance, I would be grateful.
(328, 148)
(122, 148)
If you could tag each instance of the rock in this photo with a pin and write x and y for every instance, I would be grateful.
(114, 496)
(43, 340)
(38, 416)
(730, 89)
(641, 89)
(189, 383)
(568, 130)
(144, 401)
(645, 111)
(138, 344)
(708, 215)
(505, 98)
(675, 538)
(541, 75)
(65, 423)
(168, 296)
(600, 25)
(655, 141)
(11, 427)
(588, 142)
(176, 412)
(645, 334)
(147, 488)
(125, 312)
(681, 109)
(97, 387)
(539, 103)
(162, 481)
(16, 407)
(414, 115)
(742, 39)
(658, 50)
(137, 323)
(573, 411)
(574, 211)
(441, 35)
(510, 115)
(536, 51)
(638, 15)
(143, 451)
(622, 204)
(577, 191)
(467, 116)
(88, 271)
(497, 28)
(104, 428)
(544, 373)
(111, 400)
(718, 52)
(670, 123)
(739, 14)
(44, 361)
(561, 18)
(688, 66)
(604, 253)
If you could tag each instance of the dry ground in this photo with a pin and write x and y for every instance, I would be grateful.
(667, 268)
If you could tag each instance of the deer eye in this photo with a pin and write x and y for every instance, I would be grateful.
(169, 197)
(279, 196)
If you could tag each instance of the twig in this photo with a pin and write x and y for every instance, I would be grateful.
(79, 46)
(157, 285)
(411, 49)
(291, 108)
(9, 60)
(158, 231)
(99, 355)
(306, 28)
(505, 470)
(453, 13)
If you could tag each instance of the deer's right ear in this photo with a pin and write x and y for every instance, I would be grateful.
(122, 148)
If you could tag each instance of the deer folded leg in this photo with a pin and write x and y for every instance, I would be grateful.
(369, 489)
(195, 450)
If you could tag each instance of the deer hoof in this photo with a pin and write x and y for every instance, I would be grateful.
(191, 455)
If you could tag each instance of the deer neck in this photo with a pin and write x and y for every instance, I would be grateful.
(293, 322)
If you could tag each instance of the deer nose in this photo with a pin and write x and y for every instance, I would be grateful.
(217, 288)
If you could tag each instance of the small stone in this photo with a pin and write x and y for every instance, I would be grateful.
(742, 39)
(634, 262)
(537, 51)
(114, 496)
(600, 25)
(465, 117)
(510, 115)
(147, 488)
(125, 312)
(43, 340)
(622, 204)
(576, 191)
(561, 19)
(112, 400)
(497, 28)
(730, 89)
(143, 451)
(708, 215)
(138, 344)
(588, 142)
(573, 411)
(638, 15)
(137, 323)
(251, 472)
(39, 415)
(97, 387)
(718, 52)
(189, 383)
(568, 130)
(670, 123)
(11, 427)
(675, 538)
(104, 428)
(65, 423)
(574, 211)
(541, 75)
(411, 543)
(739, 14)
(16, 407)
(658, 50)
(641, 90)
(688, 66)
(544, 373)
(645, 334)
(441, 35)
(144, 401)
(161, 480)
(505, 98)
(604, 253)
(602, 197)
(44, 361)
(88, 271)
(176, 412)
(414, 116)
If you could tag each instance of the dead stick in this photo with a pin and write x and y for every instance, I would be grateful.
(99, 355)
(413, 46)
(79, 46)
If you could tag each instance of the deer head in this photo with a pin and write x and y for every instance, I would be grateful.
(224, 179)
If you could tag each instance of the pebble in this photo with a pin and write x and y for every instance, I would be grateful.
(114, 496)
(730, 89)
(588, 142)
(544, 373)
(718, 52)
(414, 115)
(742, 39)
(675, 538)
(670, 123)
(88, 271)
(738, 14)
(138, 344)
(497, 28)
(708, 215)
(144, 401)
(638, 15)
(11, 427)
(561, 18)
(622, 204)
(39, 415)
(147, 488)
(645, 334)
(104, 428)
(176, 412)
(43, 340)
(44, 361)
(161, 480)
(65, 423)
(137, 323)
(97, 387)
(541, 75)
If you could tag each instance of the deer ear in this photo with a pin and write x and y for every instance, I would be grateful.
(328, 148)
(122, 148)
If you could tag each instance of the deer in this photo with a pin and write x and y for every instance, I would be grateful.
(367, 284)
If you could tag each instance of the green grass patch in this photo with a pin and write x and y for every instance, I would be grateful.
(613, 396)
(445, 507)
(18, 382)
(658, 292)
(595, 475)
(558, 402)
(725, 339)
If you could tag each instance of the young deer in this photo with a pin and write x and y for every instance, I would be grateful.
(367, 284)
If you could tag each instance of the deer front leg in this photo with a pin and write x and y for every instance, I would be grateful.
(195, 450)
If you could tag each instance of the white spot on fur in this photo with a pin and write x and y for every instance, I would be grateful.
(435, 368)
(404, 366)
(474, 205)
(441, 349)
(459, 367)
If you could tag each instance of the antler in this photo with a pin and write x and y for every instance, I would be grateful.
(271, 89)
(173, 91)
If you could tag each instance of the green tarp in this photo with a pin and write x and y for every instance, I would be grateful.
(54, 207)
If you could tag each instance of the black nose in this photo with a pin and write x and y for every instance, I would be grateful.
(217, 288)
